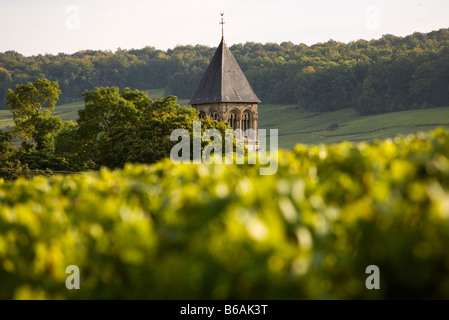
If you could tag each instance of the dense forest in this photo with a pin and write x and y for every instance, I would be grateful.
(388, 74)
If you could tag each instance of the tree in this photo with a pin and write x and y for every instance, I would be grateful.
(68, 146)
(10, 166)
(369, 101)
(5, 82)
(115, 128)
(31, 105)
(105, 111)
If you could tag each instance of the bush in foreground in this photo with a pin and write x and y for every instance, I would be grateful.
(224, 232)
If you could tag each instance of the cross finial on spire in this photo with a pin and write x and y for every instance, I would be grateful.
(222, 23)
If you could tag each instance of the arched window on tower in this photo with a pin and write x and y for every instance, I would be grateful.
(214, 115)
(246, 123)
(202, 115)
(233, 120)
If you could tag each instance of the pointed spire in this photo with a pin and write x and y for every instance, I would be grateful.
(223, 81)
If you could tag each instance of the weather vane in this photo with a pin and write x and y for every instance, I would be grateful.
(222, 23)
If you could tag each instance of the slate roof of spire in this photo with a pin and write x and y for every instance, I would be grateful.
(224, 81)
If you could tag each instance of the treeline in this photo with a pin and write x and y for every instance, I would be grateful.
(388, 74)
(85, 70)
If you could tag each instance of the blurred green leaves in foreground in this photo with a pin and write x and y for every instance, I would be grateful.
(224, 232)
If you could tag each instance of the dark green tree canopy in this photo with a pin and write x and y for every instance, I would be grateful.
(119, 127)
(31, 106)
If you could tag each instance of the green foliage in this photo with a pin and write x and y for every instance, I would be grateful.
(105, 111)
(225, 232)
(31, 106)
(369, 101)
(28, 100)
(26, 104)
(12, 163)
(67, 140)
(117, 128)
(112, 129)
(10, 168)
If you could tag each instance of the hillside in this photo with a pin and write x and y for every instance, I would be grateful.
(297, 126)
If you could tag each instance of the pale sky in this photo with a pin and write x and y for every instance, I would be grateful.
(34, 27)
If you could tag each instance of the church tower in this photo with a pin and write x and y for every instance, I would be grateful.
(224, 94)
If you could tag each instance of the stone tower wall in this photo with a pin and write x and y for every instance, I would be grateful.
(223, 113)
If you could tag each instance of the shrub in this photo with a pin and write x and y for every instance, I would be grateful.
(225, 232)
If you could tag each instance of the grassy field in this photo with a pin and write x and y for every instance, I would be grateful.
(296, 126)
